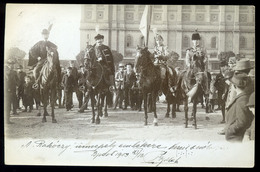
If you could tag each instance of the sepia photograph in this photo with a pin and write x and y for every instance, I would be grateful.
(131, 85)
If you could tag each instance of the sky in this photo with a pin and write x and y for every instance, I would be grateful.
(25, 22)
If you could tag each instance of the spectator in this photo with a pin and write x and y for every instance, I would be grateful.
(212, 94)
(250, 134)
(119, 82)
(21, 75)
(68, 84)
(28, 94)
(238, 116)
(74, 73)
(129, 79)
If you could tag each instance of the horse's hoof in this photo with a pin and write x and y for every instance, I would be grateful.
(222, 122)
(106, 114)
(44, 120)
(207, 118)
(92, 121)
(173, 115)
(145, 123)
(167, 115)
(186, 126)
(155, 124)
(38, 114)
(54, 121)
(97, 121)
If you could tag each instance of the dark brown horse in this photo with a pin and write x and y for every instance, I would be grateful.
(96, 83)
(195, 84)
(48, 81)
(150, 79)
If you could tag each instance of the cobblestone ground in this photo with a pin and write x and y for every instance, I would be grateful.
(120, 124)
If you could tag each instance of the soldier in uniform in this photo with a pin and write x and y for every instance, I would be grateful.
(196, 59)
(38, 54)
(162, 58)
(119, 82)
(20, 74)
(105, 58)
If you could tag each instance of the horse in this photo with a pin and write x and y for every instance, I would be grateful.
(195, 83)
(169, 90)
(49, 79)
(97, 84)
(149, 81)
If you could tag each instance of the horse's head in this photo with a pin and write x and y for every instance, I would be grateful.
(143, 58)
(52, 55)
(88, 58)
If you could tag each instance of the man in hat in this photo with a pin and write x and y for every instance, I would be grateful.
(238, 116)
(38, 53)
(68, 84)
(20, 75)
(10, 88)
(81, 84)
(196, 59)
(105, 58)
(119, 83)
(129, 79)
(74, 73)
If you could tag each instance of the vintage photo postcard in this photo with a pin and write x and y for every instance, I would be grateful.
(129, 85)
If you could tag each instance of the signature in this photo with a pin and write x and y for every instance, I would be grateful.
(160, 157)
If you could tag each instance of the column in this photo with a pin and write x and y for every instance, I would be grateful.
(179, 30)
(236, 31)
(221, 36)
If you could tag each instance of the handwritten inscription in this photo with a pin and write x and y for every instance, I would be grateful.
(141, 151)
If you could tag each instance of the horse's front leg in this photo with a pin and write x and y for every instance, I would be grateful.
(145, 108)
(186, 109)
(168, 110)
(53, 101)
(155, 120)
(93, 103)
(194, 111)
(99, 107)
(174, 108)
(105, 108)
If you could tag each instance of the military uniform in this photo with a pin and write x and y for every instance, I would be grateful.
(104, 53)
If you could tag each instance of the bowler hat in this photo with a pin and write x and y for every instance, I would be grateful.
(243, 64)
(195, 35)
(239, 80)
(251, 101)
(99, 37)
(45, 31)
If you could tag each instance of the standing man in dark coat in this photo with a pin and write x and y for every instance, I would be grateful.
(20, 75)
(74, 73)
(129, 79)
(68, 84)
(239, 117)
(81, 84)
(28, 94)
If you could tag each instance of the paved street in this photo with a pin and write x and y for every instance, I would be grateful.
(120, 124)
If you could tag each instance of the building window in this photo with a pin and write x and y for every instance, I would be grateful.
(200, 7)
(242, 42)
(186, 41)
(214, 66)
(186, 7)
(214, 7)
(214, 42)
(129, 41)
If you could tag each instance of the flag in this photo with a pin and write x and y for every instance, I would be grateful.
(144, 26)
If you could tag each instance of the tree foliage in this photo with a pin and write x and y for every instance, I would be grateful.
(16, 55)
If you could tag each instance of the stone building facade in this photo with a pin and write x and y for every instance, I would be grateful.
(222, 28)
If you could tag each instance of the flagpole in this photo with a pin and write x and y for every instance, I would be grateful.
(145, 23)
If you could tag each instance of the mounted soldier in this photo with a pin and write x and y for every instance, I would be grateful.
(163, 58)
(105, 58)
(196, 59)
(38, 55)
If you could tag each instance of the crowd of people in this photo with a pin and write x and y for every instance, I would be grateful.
(232, 89)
